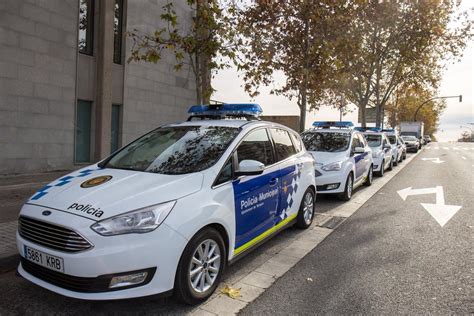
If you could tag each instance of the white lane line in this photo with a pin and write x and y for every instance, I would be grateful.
(446, 148)
(463, 157)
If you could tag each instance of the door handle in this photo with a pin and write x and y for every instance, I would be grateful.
(273, 181)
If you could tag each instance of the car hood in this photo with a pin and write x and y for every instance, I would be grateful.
(97, 193)
(323, 157)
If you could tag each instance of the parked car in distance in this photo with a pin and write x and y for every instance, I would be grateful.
(427, 139)
(343, 158)
(397, 150)
(381, 151)
(412, 143)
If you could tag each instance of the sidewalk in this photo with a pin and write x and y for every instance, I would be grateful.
(14, 190)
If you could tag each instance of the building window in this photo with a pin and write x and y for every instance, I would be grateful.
(86, 26)
(115, 125)
(118, 21)
(83, 131)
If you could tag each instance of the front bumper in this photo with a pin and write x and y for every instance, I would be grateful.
(88, 273)
(326, 178)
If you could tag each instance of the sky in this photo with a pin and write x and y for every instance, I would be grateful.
(458, 78)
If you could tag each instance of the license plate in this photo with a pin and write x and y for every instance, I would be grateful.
(43, 259)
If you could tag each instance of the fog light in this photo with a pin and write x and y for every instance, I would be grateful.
(332, 186)
(128, 280)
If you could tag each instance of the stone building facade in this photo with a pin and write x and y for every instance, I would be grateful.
(68, 97)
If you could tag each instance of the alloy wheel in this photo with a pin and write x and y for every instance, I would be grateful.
(205, 265)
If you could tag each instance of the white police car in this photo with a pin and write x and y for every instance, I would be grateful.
(397, 148)
(343, 157)
(381, 150)
(170, 210)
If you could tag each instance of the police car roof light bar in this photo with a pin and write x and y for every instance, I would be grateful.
(368, 129)
(249, 111)
(329, 124)
(388, 130)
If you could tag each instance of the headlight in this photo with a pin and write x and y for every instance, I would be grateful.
(334, 166)
(143, 220)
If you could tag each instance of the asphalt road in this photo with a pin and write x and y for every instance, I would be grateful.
(392, 256)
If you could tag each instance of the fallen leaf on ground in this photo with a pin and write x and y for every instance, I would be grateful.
(231, 292)
(309, 279)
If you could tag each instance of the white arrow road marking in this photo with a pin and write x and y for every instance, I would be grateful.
(435, 160)
(445, 147)
(441, 212)
(463, 157)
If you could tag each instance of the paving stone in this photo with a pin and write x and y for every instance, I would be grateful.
(259, 279)
(223, 305)
(293, 251)
(248, 292)
(273, 269)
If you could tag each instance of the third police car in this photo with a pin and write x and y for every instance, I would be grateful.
(381, 149)
(343, 157)
(170, 210)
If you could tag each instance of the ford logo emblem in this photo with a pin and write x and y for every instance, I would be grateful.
(46, 213)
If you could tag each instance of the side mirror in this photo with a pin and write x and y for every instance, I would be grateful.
(250, 168)
(387, 146)
(359, 150)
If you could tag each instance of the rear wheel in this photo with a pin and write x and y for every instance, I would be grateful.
(347, 194)
(201, 267)
(306, 211)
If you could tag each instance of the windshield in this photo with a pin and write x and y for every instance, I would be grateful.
(409, 138)
(328, 142)
(373, 140)
(175, 150)
(392, 139)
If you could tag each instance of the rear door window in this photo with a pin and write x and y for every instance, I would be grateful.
(283, 145)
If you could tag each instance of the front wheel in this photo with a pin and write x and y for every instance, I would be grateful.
(306, 211)
(370, 176)
(395, 161)
(382, 169)
(347, 194)
(201, 267)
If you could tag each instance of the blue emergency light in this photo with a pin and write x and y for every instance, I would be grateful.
(368, 129)
(388, 130)
(226, 110)
(328, 124)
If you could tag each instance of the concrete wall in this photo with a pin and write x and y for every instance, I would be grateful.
(154, 94)
(37, 84)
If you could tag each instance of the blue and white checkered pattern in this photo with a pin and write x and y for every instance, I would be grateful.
(62, 181)
(291, 191)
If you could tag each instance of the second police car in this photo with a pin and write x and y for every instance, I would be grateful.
(170, 210)
(343, 158)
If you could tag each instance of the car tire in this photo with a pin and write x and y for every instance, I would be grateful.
(395, 162)
(416, 150)
(184, 289)
(306, 210)
(370, 176)
(347, 194)
(382, 169)
(390, 166)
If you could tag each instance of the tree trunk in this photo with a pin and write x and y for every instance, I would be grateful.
(363, 120)
(203, 57)
(302, 106)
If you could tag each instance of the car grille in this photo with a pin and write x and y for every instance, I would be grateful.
(51, 236)
(78, 284)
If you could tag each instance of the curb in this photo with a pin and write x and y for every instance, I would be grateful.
(9, 263)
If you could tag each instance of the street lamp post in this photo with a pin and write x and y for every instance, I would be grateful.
(446, 97)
